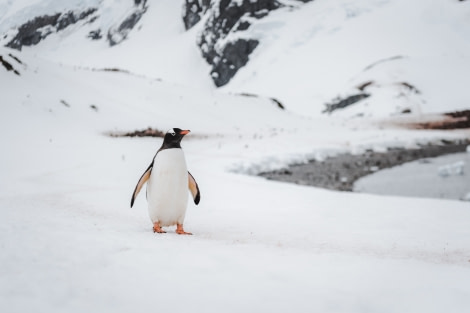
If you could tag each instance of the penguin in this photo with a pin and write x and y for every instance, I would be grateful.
(168, 179)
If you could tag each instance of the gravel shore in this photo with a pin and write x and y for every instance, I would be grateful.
(341, 171)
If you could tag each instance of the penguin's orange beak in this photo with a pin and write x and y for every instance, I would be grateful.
(184, 132)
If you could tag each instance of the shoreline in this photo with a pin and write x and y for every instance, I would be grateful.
(342, 171)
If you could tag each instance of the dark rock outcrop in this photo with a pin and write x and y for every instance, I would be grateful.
(7, 64)
(340, 103)
(95, 34)
(193, 10)
(226, 17)
(274, 100)
(120, 32)
(35, 30)
(343, 103)
(234, 56)
(227, 54)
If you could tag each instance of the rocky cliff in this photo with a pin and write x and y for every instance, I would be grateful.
(225, 41)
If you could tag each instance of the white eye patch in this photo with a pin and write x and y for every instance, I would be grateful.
(172, 132)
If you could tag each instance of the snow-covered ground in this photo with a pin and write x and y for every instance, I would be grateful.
(70, 243)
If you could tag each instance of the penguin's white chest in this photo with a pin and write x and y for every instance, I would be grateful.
(167, 188)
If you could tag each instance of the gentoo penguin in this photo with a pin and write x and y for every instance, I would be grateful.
(168, 181)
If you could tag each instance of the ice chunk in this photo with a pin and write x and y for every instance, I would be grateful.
(456, 168)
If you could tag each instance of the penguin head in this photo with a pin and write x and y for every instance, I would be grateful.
(173, 138)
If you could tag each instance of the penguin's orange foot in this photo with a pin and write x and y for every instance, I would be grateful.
(180, 230)
(157, 228)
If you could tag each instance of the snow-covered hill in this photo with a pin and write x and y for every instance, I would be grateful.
(69, 241)
(323, 51)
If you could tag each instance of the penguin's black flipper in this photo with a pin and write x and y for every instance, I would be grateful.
(194, 188)
(143, 179)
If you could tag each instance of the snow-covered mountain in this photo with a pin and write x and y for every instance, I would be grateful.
(396, 56)
(90, 70)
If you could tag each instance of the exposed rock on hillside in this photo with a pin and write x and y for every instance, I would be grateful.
(193, 10)
(228, 54)
(342, 103)
(35, 30)
(120, 31)
(7, 62)
(225, 42)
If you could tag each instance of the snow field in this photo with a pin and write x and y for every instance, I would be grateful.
(70, 242)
